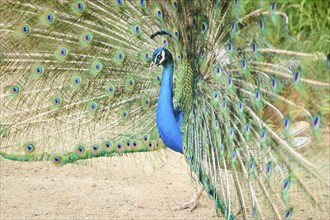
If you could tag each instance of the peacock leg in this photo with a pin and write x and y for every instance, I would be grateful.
(191, 205)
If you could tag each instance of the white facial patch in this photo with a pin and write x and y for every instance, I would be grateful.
(163, 57)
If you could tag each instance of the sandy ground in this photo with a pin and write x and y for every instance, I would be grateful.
(142, 186)
(139, 186)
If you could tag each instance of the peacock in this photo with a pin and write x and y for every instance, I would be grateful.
(222, 82)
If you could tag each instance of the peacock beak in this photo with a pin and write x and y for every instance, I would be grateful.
(152, 67)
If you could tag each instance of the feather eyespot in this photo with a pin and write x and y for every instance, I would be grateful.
(88, 37)
(15, 89)
(80, 6)
(29, 148)
(24, 29)
(107, 146)
(50, 17)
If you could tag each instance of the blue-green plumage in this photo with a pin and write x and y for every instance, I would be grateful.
(168, 121)
(233, 94)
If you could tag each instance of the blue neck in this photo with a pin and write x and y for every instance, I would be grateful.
(168, 127)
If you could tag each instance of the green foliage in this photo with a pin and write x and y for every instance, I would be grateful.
(309, 22)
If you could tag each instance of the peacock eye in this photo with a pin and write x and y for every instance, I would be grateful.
(159, 57)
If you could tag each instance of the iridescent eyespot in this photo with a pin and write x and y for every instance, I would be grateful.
(229, 81)
(15, 89)
(240, 105)
(175, 5)
(124, 114)
(194, 21)
(29, 148)
(286, 122)
(24, 29)
(110, 89)
(107, 146)
(229, 46)
(50, 17)
(316, 121)
(39, 69)
(57, 160)
(273, 6)
(233, 154)
(80, 150)
(92, 107)
(243, 63)
(204, 27)
(231, 131)
(288, 213)
(257, 94)
(217, 69)
(87, 37)
(80, 6)
(62, 53)
(233, 25)
(261, 23)
(56, 101)
(268, 167)
(254, 47)
(247, 127)
(96, 68)
(263, 134)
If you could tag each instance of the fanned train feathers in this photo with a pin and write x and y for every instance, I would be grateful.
(75, 84)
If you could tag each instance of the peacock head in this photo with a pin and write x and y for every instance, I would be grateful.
(161, 56)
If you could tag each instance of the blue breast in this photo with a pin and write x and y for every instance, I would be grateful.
(168, 125)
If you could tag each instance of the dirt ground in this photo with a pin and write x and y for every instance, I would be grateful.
(139, 186)
(142, 186)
